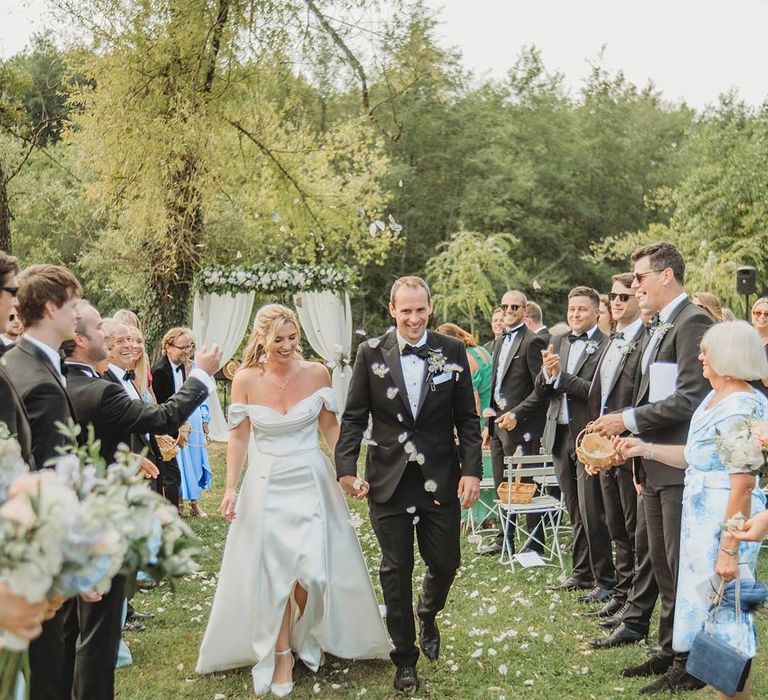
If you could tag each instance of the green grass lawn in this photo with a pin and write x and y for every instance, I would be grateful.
(503, 636)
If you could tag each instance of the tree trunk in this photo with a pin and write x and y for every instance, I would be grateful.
(5, 215)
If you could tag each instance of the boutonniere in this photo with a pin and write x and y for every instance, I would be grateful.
(661, 329)
(627, 347)
(379, 369)
(591, 346)
(435, 361)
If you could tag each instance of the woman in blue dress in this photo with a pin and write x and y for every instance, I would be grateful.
(193, 459)
(731, 354)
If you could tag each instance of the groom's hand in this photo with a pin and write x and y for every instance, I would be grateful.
(469, 491)
(354, 486)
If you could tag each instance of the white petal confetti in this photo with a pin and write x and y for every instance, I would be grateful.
(409, 447)
(361, 332)
(410, 509)
(357, 483)
(402, 438)
(416, 520)
(355, 521)
(316, 688)
(528, 682)
(475, 539)
(392, 392)
(492, 609)
(374, 342)
(503, 670)
(400, 417)
(379, 369)
(477, 653)
(430, 486)
(420, 459)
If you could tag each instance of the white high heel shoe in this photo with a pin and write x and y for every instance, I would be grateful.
(282, 690)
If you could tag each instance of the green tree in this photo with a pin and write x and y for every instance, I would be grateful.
(463, 272)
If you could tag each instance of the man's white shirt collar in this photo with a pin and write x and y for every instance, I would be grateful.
(631, 330)
(401, 342)
(669, 309)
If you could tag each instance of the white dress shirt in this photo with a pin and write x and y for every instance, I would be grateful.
(628, 415)
(50, 353)
(178, 378)
(506, 346)
(413, 368)
(612, 359)
(578, 347)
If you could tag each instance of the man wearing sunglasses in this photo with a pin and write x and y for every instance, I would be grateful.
(13, 329)
(669, 387)
(611, 390)
(516, 362)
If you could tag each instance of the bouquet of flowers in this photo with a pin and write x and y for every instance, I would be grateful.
(743, 446)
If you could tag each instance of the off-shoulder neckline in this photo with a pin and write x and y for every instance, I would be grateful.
(275, 411)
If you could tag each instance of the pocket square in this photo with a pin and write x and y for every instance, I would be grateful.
(440, 378)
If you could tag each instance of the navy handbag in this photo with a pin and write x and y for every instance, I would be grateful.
(715, 662)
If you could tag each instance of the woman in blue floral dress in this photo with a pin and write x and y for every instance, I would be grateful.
(731, 354)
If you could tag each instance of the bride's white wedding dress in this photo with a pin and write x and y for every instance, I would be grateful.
(292, 525)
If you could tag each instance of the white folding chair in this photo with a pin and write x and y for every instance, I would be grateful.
(548, 506)
(475, 525)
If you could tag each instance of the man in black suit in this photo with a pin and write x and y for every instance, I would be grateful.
(569, 365)
(115, 417)
(168, 375)
(516, 363)
(611, 390)
(535, 321)
(12, 410)
(416, 387)
(47, 303)
(669, 387)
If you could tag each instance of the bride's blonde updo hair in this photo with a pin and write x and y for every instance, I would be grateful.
(269, 321)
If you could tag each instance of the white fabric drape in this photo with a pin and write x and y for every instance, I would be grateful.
(326, 323)
(222, 319)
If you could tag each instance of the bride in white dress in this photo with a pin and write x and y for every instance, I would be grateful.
(293, 576)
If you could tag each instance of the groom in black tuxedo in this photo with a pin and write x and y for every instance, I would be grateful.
(416, 387)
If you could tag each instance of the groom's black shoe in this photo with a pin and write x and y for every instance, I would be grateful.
(429, 638)
(406, 680)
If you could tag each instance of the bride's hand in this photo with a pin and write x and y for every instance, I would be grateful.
(354, 486)
(227, 507)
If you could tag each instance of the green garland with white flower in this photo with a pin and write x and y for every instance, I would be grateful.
(270, 277)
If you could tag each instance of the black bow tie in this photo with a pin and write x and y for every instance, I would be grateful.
(572, 337)
(421, 351)
(619, 335)
(509, 333)
(179, 368)
(129, 375)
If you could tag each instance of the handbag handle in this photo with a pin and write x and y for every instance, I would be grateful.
(721, 593)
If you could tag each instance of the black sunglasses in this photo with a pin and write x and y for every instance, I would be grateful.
(510, 307)
(11, 290)
(621, 297)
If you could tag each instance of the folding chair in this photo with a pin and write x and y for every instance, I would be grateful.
(485, 507)
(551, 509)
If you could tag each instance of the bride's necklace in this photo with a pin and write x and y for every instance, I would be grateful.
(285, 384)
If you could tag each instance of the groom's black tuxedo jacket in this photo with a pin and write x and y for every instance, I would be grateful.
(446, 410)
(14, 415)
(116, 417)
(45, 399)
(667, 421)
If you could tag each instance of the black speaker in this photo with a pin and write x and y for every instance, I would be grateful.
(746, 280)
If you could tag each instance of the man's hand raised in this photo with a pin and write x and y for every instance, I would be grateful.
(208, 360)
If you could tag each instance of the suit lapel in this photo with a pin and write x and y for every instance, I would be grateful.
(598, 338)
(623, 360)
(31, 349)
(391, 353)
(426, 377)
(516, 341)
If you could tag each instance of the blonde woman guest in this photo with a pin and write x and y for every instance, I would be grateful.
(480, 365)
(731, 355)
(293, 580)
(711, 304)
(760, 320)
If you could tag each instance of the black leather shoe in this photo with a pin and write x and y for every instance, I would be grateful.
(618, 638)
(673, 681)
(610, 623)
(406, 680)
(608, 610)
(655, 666)
(133, 628)
(429, 639)
(571, 584)
(490, 550)
(597, 595)
(136, 615)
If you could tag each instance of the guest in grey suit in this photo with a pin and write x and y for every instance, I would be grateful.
(668, 388)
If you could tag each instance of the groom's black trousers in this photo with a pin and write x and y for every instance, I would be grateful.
(437, 531)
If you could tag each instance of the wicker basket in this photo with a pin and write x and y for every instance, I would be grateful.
(168, 448)
(517, 492)
(595, 450)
